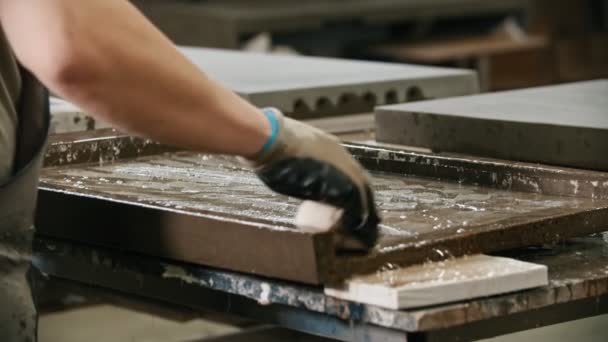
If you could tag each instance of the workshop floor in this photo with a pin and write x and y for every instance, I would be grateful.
(586, 330)
(109, 323)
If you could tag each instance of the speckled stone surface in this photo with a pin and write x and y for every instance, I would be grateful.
(209, 210)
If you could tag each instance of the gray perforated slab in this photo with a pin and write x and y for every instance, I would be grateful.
(312, 86)
(306, 87)
(562, 125)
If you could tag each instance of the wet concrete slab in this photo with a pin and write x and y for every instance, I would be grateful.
(313, 87)
(198, 183)
(202, 208)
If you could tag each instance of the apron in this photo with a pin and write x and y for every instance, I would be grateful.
(18, 318)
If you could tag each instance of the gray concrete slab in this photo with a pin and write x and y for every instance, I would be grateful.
(306, 87)
(562, 125)
(313, 87)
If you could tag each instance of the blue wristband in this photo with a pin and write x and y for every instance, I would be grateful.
(274, 131)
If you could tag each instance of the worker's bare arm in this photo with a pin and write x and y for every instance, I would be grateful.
(107, 58)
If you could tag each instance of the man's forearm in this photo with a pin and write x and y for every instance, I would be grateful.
(104, 56)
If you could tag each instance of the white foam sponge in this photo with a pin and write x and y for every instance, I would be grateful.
(317, 217)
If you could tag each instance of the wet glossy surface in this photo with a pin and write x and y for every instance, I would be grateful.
(413, 208)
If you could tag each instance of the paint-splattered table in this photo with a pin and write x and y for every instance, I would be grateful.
(578, 289)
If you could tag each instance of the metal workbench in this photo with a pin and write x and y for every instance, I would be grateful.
(578, 289)
(209, 210)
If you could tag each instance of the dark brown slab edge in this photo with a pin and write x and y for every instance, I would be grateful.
(179, 236)
(245, 244)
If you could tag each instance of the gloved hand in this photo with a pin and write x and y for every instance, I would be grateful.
(304, 162)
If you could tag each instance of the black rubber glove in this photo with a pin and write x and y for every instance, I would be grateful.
(304, 162)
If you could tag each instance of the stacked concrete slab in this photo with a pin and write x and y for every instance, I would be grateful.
(309, 87)
(561, 125)
(315, 87)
